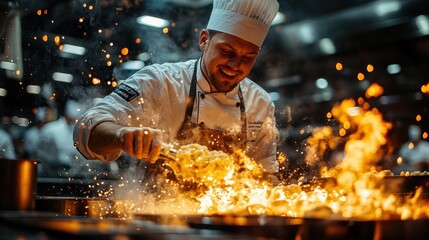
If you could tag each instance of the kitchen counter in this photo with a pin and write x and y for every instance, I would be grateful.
(38, 225)
(46, 225)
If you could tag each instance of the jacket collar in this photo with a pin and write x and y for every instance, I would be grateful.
(204, 84)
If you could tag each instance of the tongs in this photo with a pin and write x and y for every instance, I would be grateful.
(168, 152)
(169, 160)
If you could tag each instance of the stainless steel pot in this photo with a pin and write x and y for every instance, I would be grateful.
(18, 183)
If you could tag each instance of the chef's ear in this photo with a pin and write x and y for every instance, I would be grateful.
(204, 39)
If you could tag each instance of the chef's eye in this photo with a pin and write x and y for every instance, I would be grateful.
(227, 52)
(247, 59)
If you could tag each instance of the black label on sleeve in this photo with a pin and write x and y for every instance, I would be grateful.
(126, 92)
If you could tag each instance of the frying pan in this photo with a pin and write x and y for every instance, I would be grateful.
(252, 225)
(165, 219)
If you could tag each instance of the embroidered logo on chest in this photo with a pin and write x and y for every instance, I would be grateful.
(254, 128)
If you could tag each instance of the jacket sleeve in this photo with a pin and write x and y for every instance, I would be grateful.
(84, 126)
(128, 105)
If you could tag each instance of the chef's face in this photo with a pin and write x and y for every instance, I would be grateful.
(226, 59)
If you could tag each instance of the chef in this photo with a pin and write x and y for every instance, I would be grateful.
(414, 152)
(209, 100)
(32, 135)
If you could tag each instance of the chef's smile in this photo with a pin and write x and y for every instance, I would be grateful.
(228, 74)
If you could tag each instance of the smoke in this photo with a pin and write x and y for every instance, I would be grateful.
(149, 190)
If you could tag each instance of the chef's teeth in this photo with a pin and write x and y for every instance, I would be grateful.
(226, 73)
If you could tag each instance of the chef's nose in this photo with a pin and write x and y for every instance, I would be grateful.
(235, 62)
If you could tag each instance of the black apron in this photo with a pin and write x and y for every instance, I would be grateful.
(213, 139)
(196, 133)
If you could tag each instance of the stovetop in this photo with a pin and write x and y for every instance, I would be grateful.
(39, 225)
(48, 225)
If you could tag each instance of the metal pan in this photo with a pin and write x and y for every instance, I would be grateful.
(165, 219)
(252, 225)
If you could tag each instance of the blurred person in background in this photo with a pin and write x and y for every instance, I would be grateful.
(56, 151)
(209, 100)
(32, 135)
(415, 152)
(7, 149)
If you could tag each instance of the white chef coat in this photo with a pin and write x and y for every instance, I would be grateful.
(31, 139)
(156, 97)
(6, 146)
(418, 154)
(58, 155)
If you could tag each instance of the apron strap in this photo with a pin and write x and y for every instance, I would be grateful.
(243, 117)
(192, 92)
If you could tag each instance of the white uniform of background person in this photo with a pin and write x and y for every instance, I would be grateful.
(56, 151)
(32, 135)
(6, 146)
(414, 152)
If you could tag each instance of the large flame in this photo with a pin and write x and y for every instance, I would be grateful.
(235, 184)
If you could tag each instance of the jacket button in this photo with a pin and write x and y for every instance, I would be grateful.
(238, 104)
(203, 96)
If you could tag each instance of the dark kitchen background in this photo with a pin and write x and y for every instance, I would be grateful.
(318, 54)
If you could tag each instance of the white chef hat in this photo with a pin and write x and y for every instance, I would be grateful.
(247, 19)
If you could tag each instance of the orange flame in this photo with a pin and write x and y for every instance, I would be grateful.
(357, 190)
(374, 90)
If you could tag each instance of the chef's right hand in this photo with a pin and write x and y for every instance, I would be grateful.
(140, 142)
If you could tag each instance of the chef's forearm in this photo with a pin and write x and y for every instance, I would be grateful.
(103, 139)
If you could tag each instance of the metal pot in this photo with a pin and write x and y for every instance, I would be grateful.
(18, 183)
